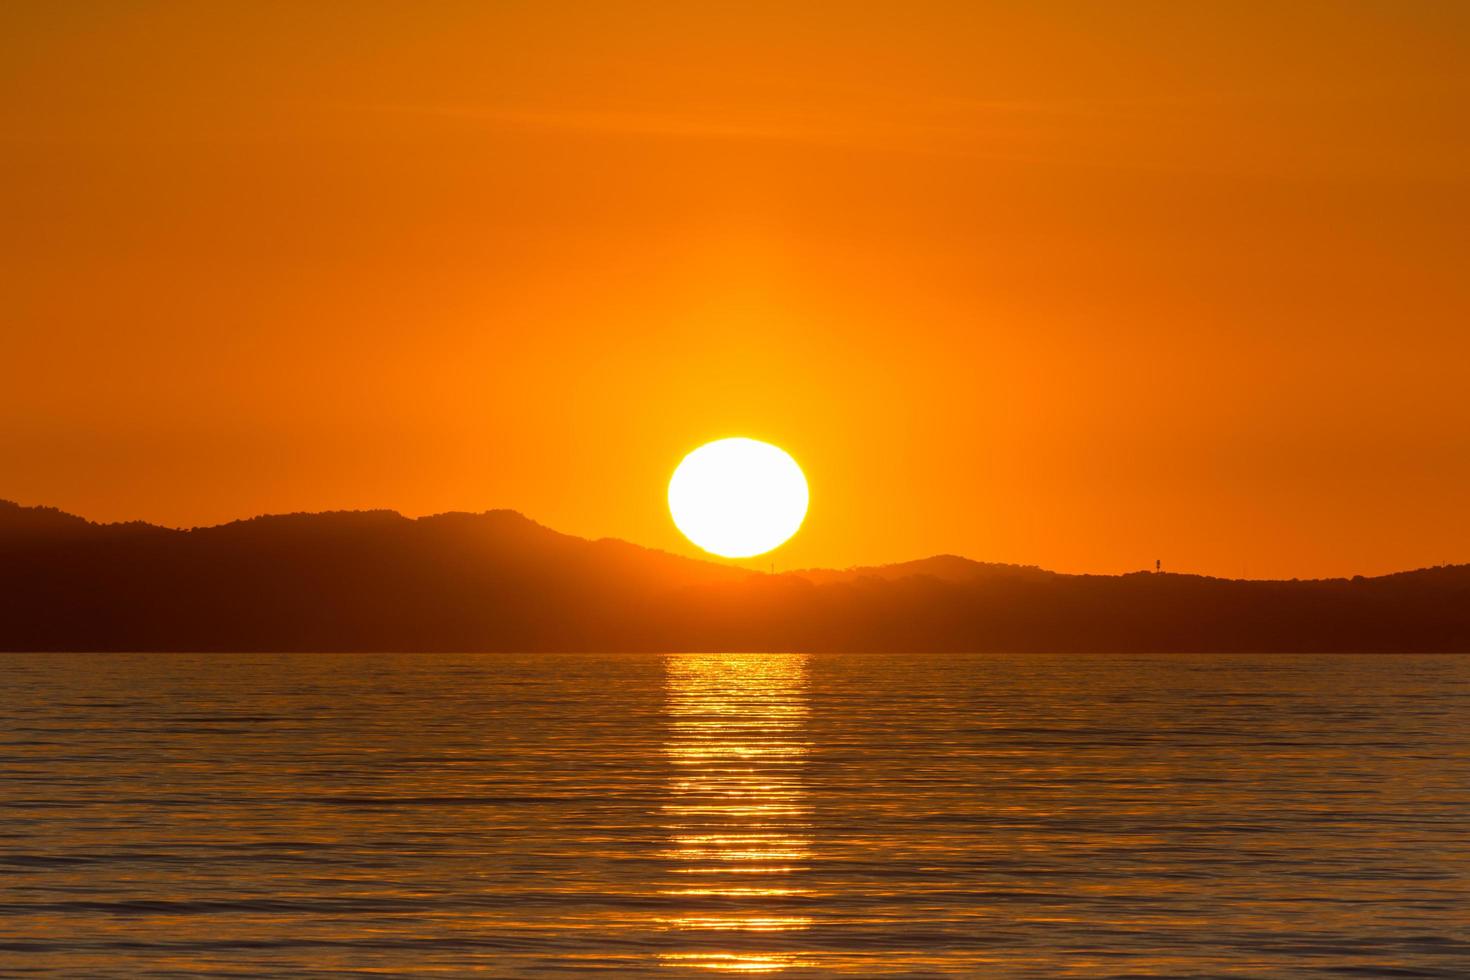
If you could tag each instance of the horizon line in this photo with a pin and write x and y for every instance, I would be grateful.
(711, 559)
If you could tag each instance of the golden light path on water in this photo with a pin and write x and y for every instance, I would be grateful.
(738, 817)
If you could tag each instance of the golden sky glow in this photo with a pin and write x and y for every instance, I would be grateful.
(1079, 285)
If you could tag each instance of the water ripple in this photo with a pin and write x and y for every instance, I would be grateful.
(793, 815)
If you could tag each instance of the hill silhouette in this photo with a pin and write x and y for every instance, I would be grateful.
(375, 580)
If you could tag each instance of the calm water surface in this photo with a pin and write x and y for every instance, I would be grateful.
(991, 816)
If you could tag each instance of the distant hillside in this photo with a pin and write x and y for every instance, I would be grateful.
(946, 568)
(375, 580)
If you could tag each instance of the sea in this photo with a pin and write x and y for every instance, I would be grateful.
(668, 815)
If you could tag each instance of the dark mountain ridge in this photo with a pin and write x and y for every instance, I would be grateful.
(375, 580)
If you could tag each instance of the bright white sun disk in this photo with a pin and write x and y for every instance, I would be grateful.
(738, 497)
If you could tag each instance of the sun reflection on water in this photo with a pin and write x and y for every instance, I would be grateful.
(738, 817)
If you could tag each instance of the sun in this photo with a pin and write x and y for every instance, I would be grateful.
(738, 497)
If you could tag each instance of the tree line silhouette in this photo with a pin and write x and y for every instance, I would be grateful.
(377, 581)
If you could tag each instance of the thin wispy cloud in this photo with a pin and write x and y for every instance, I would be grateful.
(994, 130)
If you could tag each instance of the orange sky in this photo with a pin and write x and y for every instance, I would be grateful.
(1078, 285)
